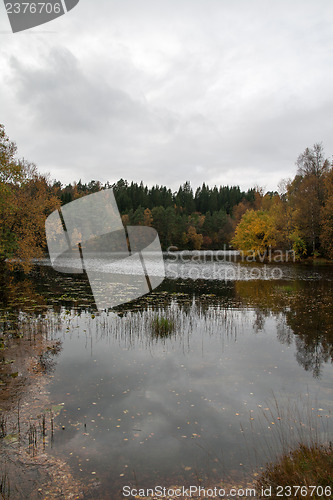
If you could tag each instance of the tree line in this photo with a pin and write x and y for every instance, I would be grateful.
(298, 217)
(184, 219)
(131, 196)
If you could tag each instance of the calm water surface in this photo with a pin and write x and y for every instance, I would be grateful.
(243, 361)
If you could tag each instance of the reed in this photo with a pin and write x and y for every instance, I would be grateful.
(299, 448)
(306, 466)
(162, 326)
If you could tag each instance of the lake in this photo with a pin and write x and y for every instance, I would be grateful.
(203, 380)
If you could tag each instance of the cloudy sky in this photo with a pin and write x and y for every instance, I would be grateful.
(164, 91)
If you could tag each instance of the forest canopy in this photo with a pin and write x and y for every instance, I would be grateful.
(298, 217)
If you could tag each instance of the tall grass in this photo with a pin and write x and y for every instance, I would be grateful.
(298, 447)
(304, 466)
(177, 320)
(162, 326)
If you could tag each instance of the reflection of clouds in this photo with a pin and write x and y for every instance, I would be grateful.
(192, 384)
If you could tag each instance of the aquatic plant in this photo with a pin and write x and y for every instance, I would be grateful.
(162, 326)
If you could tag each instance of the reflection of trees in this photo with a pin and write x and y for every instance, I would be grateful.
(302, 310)
(46, 359)
(18, 301)
(25, 334)
(311, 357)
(260, 319)
(311, 319)
(305, 311)
(16, 293)
(284, 333)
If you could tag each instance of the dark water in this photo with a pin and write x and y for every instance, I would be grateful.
(243, 368)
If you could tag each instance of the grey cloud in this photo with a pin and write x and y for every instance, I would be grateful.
(63, 98)
(168, 91)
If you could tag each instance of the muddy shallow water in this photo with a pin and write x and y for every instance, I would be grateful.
(200, 381)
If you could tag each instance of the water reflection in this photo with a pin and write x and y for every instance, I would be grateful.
(172, 388)
(306, 311)
(148, 409)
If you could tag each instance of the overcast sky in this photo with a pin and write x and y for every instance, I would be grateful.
(164, 91)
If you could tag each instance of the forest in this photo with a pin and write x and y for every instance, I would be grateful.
(298, 216)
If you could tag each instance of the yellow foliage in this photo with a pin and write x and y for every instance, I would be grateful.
(147, 217)
(255, 232)
(194, 238)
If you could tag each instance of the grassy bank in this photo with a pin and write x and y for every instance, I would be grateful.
(309, 467)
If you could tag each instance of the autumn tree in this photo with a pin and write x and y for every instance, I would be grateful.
(147, 217)
(306, 194)
(255, 233)
(26, 199)
(299, 218)
(313, 162)
(194, 238)
(327, 216)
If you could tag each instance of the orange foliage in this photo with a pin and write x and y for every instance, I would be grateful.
(26, 199)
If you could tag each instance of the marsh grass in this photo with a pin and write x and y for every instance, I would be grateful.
(159, 323)
(306, 465)
(162, 326)
(298, 449)
(31, 434)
